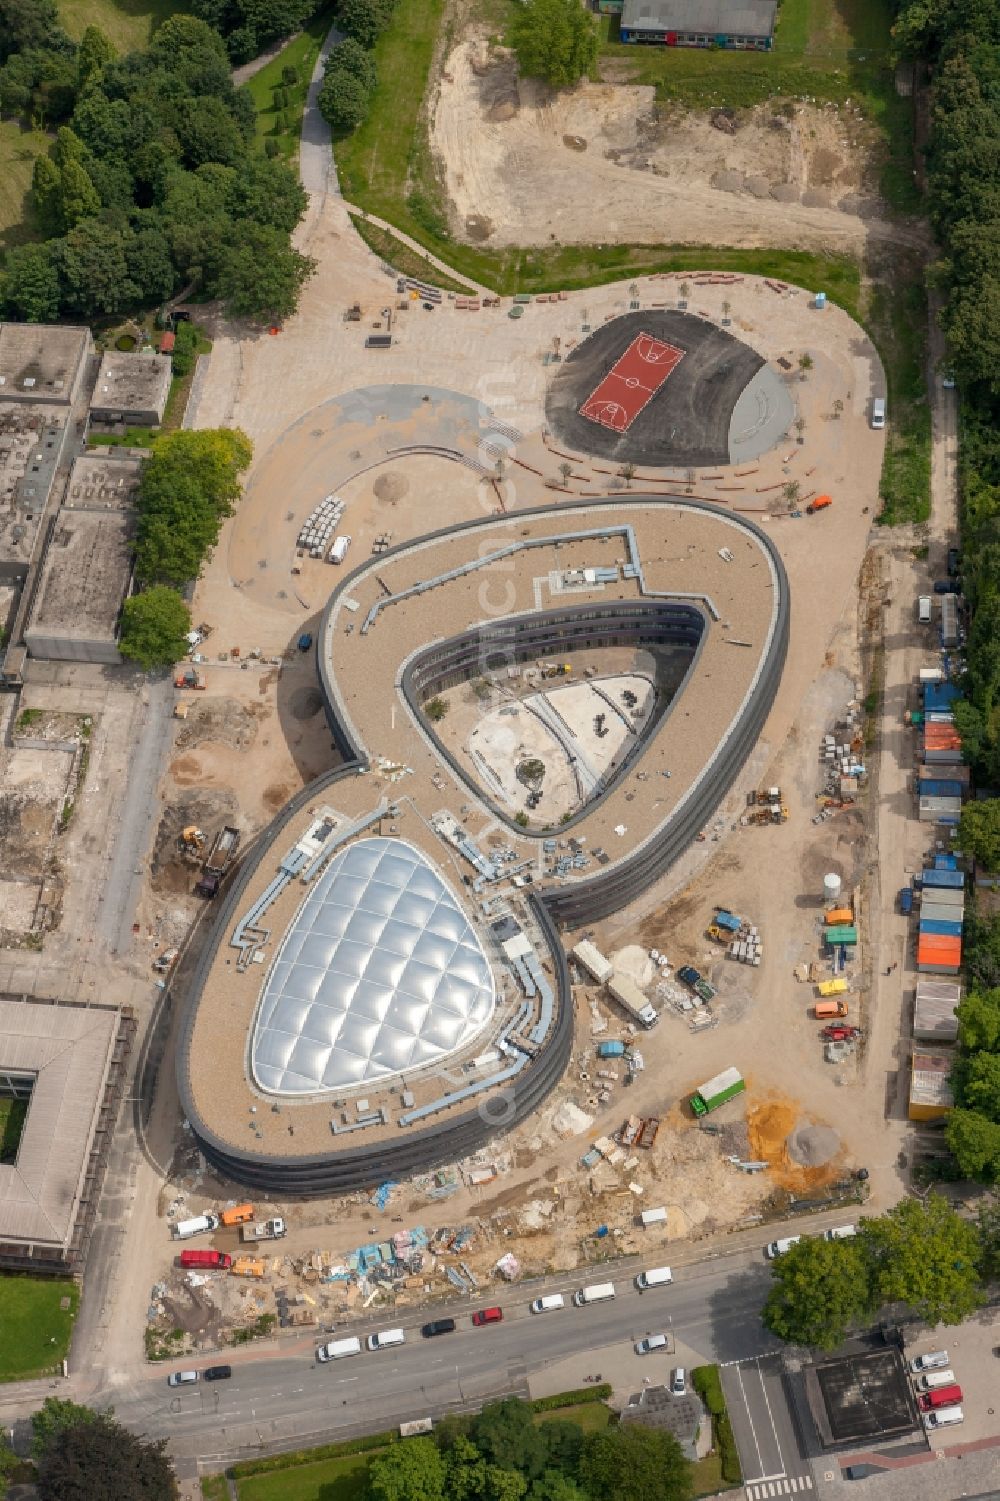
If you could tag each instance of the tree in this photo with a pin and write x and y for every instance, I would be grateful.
(554, 1486)
(980, 1084)
(100, 1458)
(974, 1142)
(925, 1255)
(989, 1237)
(92, 269)
(349, 57)
(263, 275)
(26, 25)
(79, 197)
(565, 471)
(805, 364)
(563, 1445)
(343, 101)
(46, 196)
(29, 284)
(505, 1433)
(361, 20)
(979, 831)
(555, 40)
(634, 1464)
(55, 1415)
(790, 491)
(979, 1021)
(820, 1290)
(154, 625)
(413, 1471)
(627, 473)
(95, 53)
(466, 1469)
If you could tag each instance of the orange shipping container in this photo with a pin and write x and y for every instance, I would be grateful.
(240, 1214)
(941, 736)
(840, 916)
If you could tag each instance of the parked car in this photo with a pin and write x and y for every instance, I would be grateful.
(438, 1326)
(217, 1372)
(934, 1360)
(946, 586)
(781, 1247)
(182, 1378)
(841, 1232)
(487, 1316)
(678, 1382)
(953, 556)
(906, 900)
(650, 1343)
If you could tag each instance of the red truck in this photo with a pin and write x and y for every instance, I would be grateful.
(218, 1260)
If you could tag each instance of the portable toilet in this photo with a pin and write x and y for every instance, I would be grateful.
(819, 302)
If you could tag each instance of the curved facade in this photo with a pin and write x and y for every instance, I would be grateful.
(396, 629)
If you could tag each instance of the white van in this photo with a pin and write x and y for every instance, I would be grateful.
(657, 1276)
(338, 552)
(924, 607)
(386, 1337)
(932, 1361)
(878, 412)
(598, 1292)
(548, 1304)
(935, 1379)
(200, 1225)
(944, 1417)
(781, 1247)
(842, 1232)
(338, 1349)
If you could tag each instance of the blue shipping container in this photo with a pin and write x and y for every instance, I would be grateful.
(941, 787)
(946, 862)
(941, 929)
(939, 696)
(953, 878)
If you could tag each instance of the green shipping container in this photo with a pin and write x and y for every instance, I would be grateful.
(834, 936)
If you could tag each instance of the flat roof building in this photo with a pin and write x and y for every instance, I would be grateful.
(42, 363)
(68, 1062)
(131, 389)
(741, 25)
(83, 581)
(105, 479)
(931, 1096)
(855, 1398)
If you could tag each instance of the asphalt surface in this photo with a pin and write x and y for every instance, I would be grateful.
(284, 1400)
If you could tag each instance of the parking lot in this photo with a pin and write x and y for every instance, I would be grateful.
(977, 1371)
(772, 1459)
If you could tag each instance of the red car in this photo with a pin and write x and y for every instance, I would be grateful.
(487, 1316)
(841, 1034)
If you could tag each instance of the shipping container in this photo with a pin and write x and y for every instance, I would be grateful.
(956, 773)
(953, 878)
(946, 810)
(593, 961)
(939, 697)
(838, 916)
(938, 929)
(939, 955)
(845, 935)
(945, 862)
(940, 787)
(948, 896)
(933, 911)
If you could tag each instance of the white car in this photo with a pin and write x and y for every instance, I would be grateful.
(182, 1378)
(934, 1360)
(650, 1343)
(678, 1382)
(781, 1247)
(841, 1232)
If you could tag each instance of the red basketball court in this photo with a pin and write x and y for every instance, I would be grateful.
(631, 383)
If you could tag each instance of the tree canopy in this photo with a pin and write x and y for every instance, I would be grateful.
(154, 625)
(820, 1290)
(189, 485)
(555, 40)
(634, 1464)
(154, 181)
(91, 1455)
(926, 1255)
(979, 829)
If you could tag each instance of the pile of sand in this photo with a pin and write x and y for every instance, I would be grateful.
(812, 1146)
(391, 486)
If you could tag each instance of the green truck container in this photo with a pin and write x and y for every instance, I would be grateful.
(845, 935)
(717, 1091)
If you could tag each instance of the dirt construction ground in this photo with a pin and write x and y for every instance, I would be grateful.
(522, 166)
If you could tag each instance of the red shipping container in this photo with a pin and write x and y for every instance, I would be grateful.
(217, 1259)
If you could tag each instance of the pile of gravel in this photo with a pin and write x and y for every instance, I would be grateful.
(812, 1146)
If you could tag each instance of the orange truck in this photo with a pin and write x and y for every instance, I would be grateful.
(827, 1009)
(819, 504)
(240, 1214)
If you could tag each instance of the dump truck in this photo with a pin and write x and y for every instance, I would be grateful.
(220, 857)
(247, 1266)
(717, 1091)
(692, 978)
(264, 1230)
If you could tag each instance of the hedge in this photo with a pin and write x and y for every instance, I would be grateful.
(708, 1384)
(313, 1456)
(575, 1398)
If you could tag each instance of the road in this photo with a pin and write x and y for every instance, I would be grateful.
(286, 1400)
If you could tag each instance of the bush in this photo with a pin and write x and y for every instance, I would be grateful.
(362, 1445)
(723, 1431)
(576, 1398)
(343, 101)
(289, 75)
(707, 1383)
(271, 147)
(350, 58)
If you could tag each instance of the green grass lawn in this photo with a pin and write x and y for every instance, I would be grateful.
(341, 1479)
(34, 1330)
(129, 24)
(285, 125)
(214, 1488)
(13, 1114)
(592, 1417)
(18, 150)
(898, 323)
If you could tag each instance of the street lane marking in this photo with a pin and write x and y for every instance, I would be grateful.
(746, 1404)
(770, 1414)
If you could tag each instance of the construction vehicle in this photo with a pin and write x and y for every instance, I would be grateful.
(221, 856)
(190, 678)
(819, 504)
(717, 1091)
(689, 976)
(165, 961)
(264, 1230)
(724, 926)
(649, 1132)
(558, 670)
(181, 710)
(191, 838)
(247, 1266)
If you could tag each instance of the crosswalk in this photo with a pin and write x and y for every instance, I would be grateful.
(780, 1485)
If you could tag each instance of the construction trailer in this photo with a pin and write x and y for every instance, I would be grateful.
(590, 958)
(628, 995)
